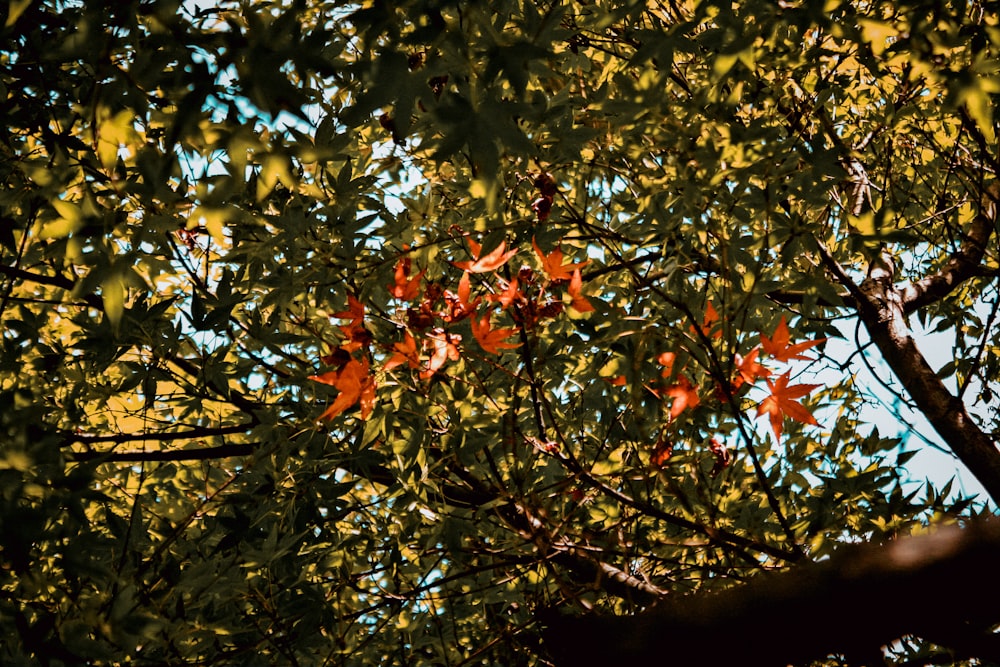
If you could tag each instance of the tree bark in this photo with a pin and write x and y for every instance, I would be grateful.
(941, 587)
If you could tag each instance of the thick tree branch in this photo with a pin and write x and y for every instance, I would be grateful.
(962, 265)
(941, 587)
(880, 308)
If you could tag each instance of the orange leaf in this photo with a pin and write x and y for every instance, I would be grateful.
(667, 360)
(579, 302)
(355, 385)
(778, 347)
(709, 322)
(510, 294)
(404, 353)
(357, 336)
(464, 288)
(474, 247)
(492, 340)
(781, 403)
(403, 286)
(685, 395)
(355, 310)
(553, 265)
(458, 304)
(490, 262)
(354, 331)
(748, 369)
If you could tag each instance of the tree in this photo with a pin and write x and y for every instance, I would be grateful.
(438, 332)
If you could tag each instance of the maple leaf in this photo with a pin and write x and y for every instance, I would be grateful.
(552, 264)
(490, 262)
(492, 340)
(403, 286)
(710, 320)
(510, 294)
(458, 304)
(685, 395)
(357, 336)
(405, 352)
(748, 369)
(355, 384)
(464, 287)
(579, 302)
(354, 331)
(474, 247)
(778, 347)
(445, 347)
(781, 403)
(355, 310)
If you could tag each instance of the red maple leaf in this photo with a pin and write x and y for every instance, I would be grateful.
(490, 262)
(355, 384)
(579, 302)
(778, 344)
(510, 294)
(354, 331)
(459, 306)
(405, 352)
(355, 310)
(710, 320)
(748, 369)
(781, 403)
(553, 265)
(685, 395)
(492, 340)
(403, 286)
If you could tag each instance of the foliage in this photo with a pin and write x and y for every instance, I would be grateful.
(360, 333)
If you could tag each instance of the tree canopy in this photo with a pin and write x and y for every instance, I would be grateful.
(436, 332)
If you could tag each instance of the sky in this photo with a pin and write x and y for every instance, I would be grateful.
(933, 461)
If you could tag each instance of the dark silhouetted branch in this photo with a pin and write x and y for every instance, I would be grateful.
(941, 587)
(193, 454)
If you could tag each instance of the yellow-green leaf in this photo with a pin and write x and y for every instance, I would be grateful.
(113, 293)
(977, 102)
(14, 11)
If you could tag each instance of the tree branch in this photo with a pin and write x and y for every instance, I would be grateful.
(880, 308)
(963, 264)
(196, 454)
(192, 432)
(941, 587)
